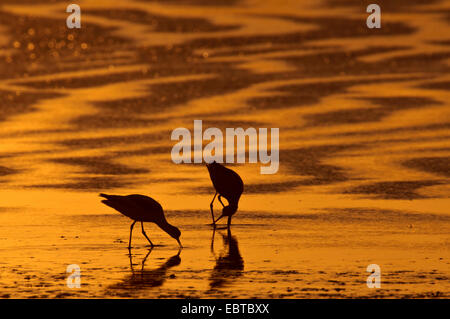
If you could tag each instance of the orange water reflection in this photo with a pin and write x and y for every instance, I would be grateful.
(364, 145)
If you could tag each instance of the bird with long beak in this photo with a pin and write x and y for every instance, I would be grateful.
(228, 184)
(142, 209)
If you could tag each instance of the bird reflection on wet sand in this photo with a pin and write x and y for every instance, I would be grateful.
(141, 279)
(363, 116)
(229, 265)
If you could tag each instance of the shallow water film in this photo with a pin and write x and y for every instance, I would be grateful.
(364, 126)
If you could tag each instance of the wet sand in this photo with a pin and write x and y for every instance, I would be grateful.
(364, 125)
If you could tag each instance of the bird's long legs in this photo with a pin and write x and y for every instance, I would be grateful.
(229, 223)
(218, 218)
(211, 206)
(143, 232)
(131, 232)
(220, 200)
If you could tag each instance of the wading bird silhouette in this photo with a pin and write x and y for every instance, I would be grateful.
(228, 184)
(142, 209)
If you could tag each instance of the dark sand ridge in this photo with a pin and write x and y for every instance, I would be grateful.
(328, 28)
(332, 231)
(394, 190)
(85, 81)
(346, 63)
(4, 171)
(439, 85)
(13, 103)
(387, 106)
(93, 184)
(89, 184)
(389, 6)
(439, 165)
(308, 162)
(100, 165)
(85, 122)
(160, 23)
(112, 140)
(404, 129)
(306, 94)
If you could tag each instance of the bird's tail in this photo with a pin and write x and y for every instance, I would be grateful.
(105, 195)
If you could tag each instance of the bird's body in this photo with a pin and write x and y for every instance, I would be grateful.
(142, 209)
(228, 184)
(137, 207)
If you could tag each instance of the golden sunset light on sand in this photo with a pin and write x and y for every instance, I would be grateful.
(345, 165)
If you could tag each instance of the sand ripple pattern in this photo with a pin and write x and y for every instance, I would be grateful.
(364, 115)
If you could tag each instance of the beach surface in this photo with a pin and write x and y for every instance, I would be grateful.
(363, 179)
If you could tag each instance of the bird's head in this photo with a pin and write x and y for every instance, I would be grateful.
(175, 233)
(229, 210)
(212, 164)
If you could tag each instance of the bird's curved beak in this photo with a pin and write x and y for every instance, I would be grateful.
(179, 242)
